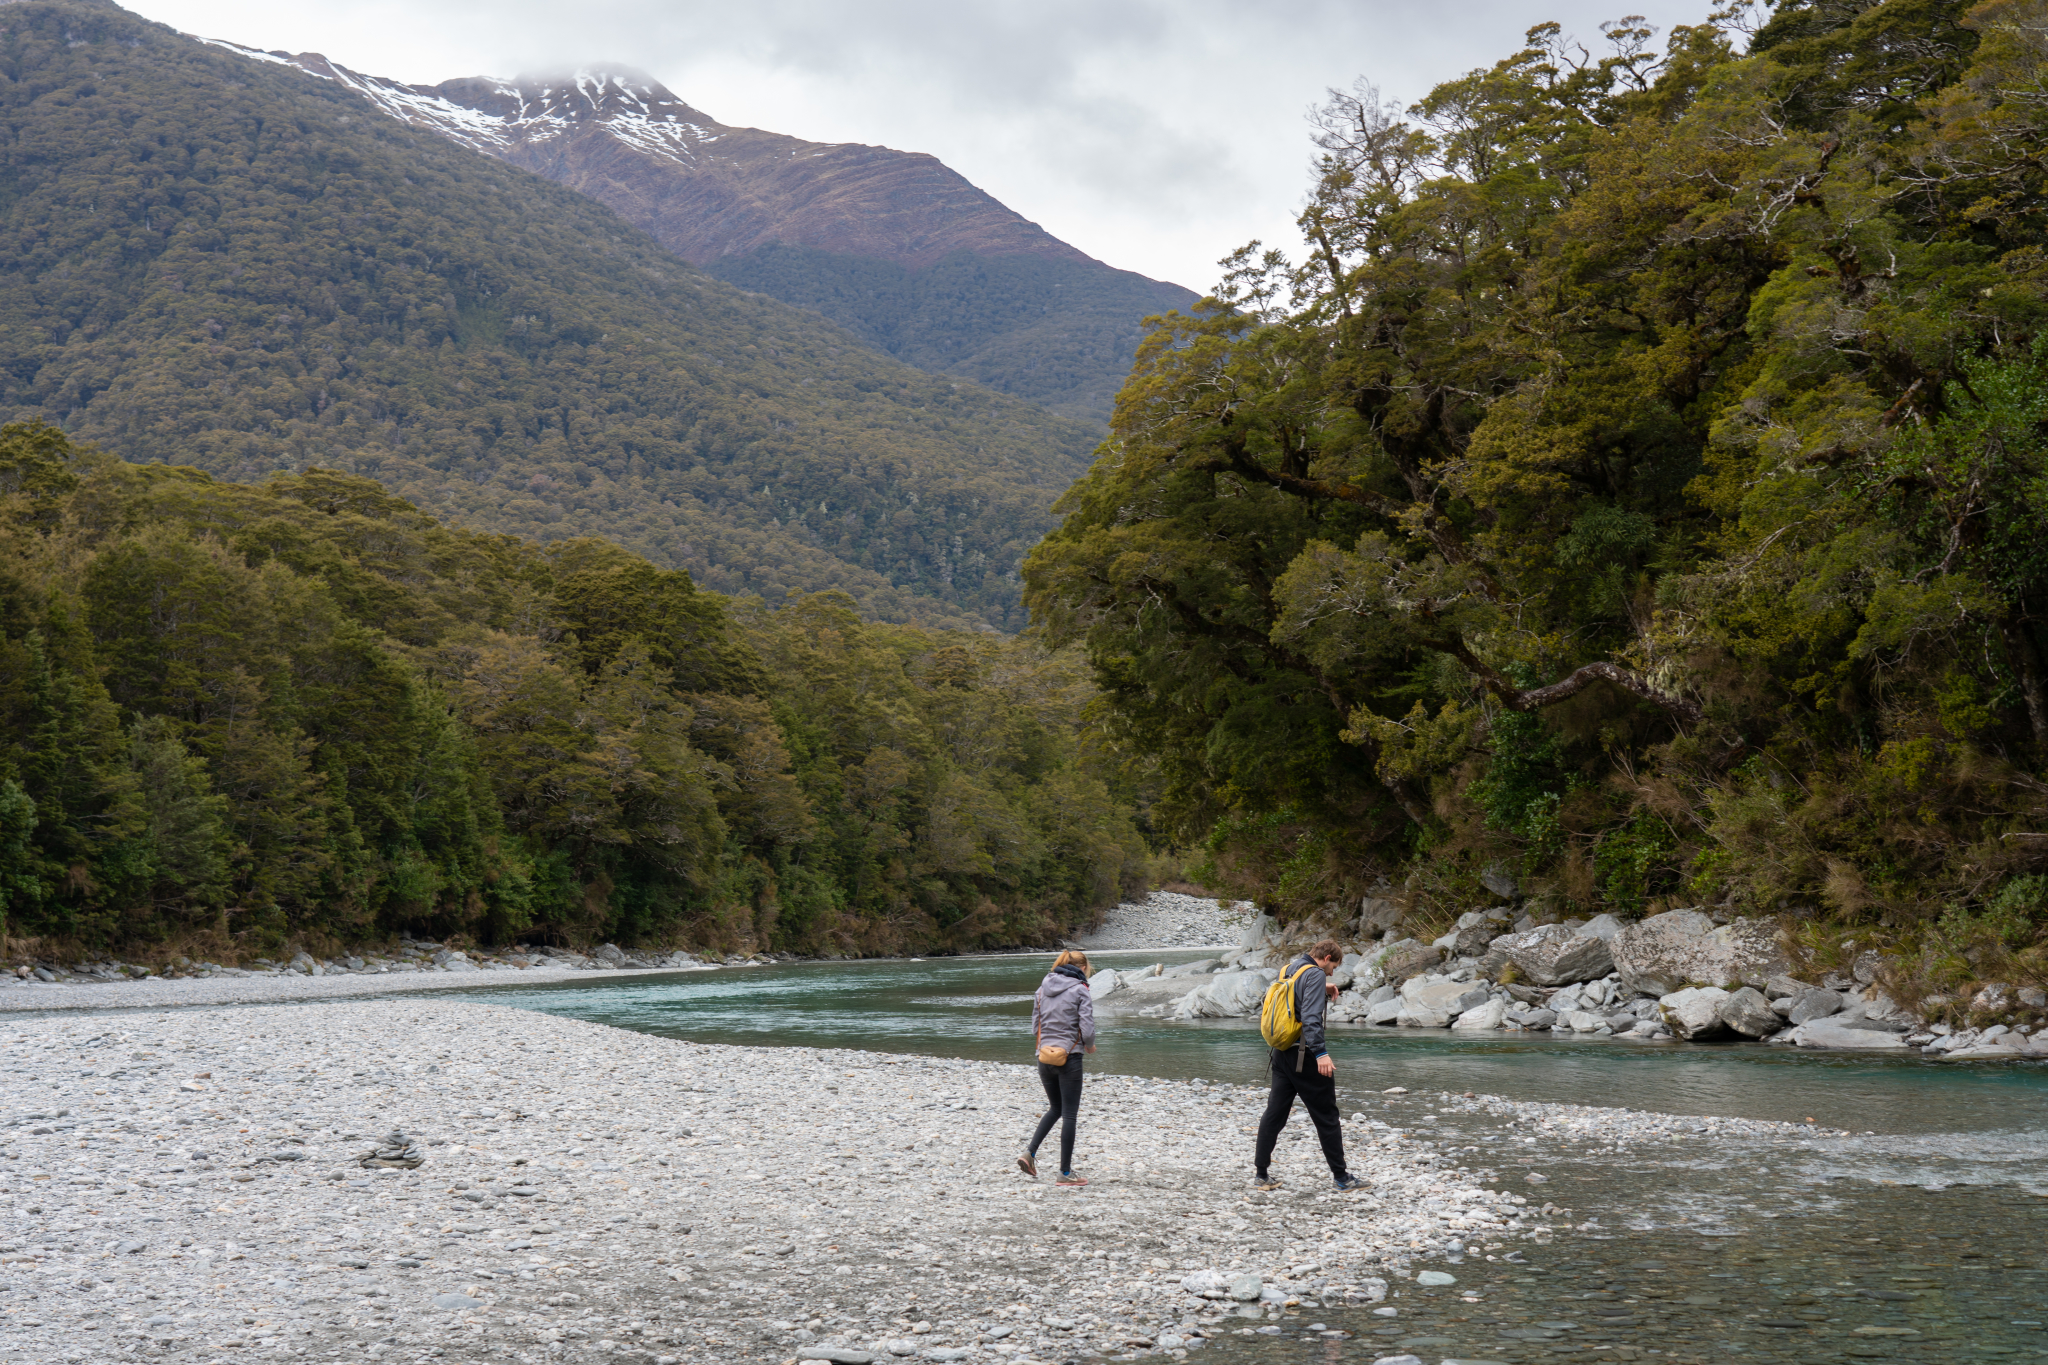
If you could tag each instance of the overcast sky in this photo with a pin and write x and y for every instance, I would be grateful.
(1155, 134)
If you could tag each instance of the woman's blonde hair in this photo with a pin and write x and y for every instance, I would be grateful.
(1074, 957)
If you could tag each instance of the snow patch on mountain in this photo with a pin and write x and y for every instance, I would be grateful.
(491, 115)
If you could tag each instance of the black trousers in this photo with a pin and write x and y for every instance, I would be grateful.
(1063, 1093)
(1295, 1078)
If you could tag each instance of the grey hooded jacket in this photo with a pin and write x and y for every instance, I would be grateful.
(1063, 1012)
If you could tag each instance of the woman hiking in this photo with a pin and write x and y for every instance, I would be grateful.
(1063, 1024)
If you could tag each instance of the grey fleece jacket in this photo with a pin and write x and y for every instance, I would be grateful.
(1063, 1012)
(1310, 1002)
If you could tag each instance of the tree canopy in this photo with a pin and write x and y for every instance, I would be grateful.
(243, 715)
(1636, 484)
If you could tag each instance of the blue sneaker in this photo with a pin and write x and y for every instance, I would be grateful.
(1347, 1183)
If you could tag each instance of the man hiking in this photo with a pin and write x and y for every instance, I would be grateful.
(1304, 1070)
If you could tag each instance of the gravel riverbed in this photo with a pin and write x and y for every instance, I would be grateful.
(186, 1185)
(1168, 919)
(258, 988)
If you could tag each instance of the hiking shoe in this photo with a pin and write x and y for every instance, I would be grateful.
(1347, 1183)
(1266, 1182)
(1028, 1166)
(1069, 1178)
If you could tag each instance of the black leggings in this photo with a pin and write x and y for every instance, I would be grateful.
(1063, 1092)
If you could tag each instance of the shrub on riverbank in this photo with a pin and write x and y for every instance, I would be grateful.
(237, 715)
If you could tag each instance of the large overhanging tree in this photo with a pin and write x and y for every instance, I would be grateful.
(1619, 440)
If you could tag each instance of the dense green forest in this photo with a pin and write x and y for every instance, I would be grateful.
(1638, 486)
(1057, 332)
(236, 716)
(205, 260)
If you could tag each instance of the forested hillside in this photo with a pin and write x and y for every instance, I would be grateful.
(215, 261)
(895, 246)
(1059, 332)
(236, 716)
(1639, 487)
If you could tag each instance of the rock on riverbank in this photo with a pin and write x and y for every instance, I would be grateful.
(194, 1181)
(1677, 976)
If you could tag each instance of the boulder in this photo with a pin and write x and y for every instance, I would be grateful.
(1376, 915)
(1866, 966)
(1988, 1052)
(1139, 990)
(1856, 1019)
(1421, 1016)
(1694, 1013)
(1746, 952)
(1682, 947)
(1654, 955)
(609, 953)
(2033, 997)
(1603, 927)
(1441, 993)
(1749, 1014)
(1403, 959)
(1829, 1034)
(1814, 1003)
(1581, 1021)
(1352, 1004)
(1530, 1017)
(1782, 985)
(1472, 942)
(1259, 933)
(1482, 1017)
(1500, 882)
(1386, 1011)
(1104, 983)
(1230, 995)
(1552, 955)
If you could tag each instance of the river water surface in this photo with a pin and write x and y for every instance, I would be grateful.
(1922, 1237)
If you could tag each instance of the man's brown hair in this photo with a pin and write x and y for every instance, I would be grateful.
(1327, 951)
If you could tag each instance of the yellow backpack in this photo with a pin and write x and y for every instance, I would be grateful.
(1279, 1020)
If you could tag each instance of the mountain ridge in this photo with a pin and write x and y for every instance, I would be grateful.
(895, 246)
(535, 121)
(224, 263)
